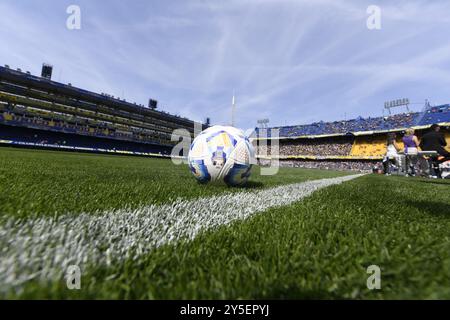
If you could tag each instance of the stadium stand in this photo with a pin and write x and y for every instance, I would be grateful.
(369, 146)
(36, 138)
(335, 146)
(38, 112)
(435, 114)
(85, 119)
(357, 144)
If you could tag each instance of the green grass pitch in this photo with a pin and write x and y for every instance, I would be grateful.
(319, 247)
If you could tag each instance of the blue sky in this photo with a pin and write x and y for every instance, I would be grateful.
(292, 61)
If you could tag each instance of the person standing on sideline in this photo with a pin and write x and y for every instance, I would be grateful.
(392, 149)
(435, 141)
(411, 149)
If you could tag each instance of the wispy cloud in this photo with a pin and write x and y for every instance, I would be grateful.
(293, 61)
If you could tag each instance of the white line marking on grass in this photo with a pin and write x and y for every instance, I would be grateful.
(43, 248)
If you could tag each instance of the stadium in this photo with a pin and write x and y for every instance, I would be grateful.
(96, 204)
(55, 115)
(357, 144)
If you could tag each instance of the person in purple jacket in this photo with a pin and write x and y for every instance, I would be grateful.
(411, 149)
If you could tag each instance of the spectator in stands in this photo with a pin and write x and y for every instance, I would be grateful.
(392, 156)
(411, 149)
(310, 147)
(435, 141)
(361, 166)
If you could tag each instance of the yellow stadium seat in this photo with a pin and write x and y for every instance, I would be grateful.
(369, 147)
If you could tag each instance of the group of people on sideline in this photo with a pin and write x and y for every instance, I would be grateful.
(433, 141)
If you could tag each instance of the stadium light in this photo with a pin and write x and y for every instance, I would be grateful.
(47, 70)
(263, 123)
(397, 103)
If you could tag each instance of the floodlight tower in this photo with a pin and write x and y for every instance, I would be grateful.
(397, 103)
(263, 123)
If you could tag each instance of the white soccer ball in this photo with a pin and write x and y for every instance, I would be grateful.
(221, 153)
